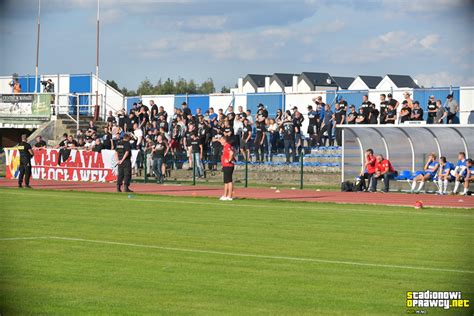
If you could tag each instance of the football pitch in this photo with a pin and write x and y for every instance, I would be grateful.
(74, 253)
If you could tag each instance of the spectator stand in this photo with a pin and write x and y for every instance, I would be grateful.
(406, 146)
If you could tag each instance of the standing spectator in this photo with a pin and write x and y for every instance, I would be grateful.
(352, 115)
(298, 123)
(392, 101)
(40, 143)
(186, 110)
(313, 118)
(383, 170)
(289, 137)
(405, 112)
(26, 153)
(383, 108)
(366, 109)
(374, 114)
(339, 118)
(245, 139)
(360, 117)
(111, 118)
(259, 141)
(452, 108)
(123, 153)
(432, 109)
(441, 114)
(417, 113)
(408, 99)
(326, 126)
(227, 161)
(16, 86)
(159, 152)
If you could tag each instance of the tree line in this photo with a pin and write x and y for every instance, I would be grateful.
(169, 86)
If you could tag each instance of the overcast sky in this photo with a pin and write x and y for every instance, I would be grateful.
(432, 40)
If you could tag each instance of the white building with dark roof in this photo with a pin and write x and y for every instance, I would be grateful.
(365, 82)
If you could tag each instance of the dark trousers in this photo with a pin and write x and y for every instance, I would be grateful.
(25, 172)
(451, 119)
(216, 155)
(259, 147)
(326, 128)
(386, 179)
(124, 173)
(339, 136)
(157, 164)
(366, 177)
(290, 144)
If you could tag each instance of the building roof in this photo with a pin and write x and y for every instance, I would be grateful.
(317, 79)
(255, 80)
(371, 81)
(403, 81)
(343, 82)
(284, 80)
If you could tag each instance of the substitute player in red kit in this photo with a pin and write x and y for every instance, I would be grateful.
(383, 170)
(227, 161)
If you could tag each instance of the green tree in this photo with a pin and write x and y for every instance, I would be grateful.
(168, 87)
(145, 87)
(207, 87)
(114, 85)
(224, 89)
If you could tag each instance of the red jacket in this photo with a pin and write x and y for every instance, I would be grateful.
(226, 162)
(372, 164)
(382, 166)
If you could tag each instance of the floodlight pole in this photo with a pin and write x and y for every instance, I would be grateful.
(96, 110)
(37, 45)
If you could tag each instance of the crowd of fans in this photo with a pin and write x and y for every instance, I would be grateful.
(163, 139)
(441, 172)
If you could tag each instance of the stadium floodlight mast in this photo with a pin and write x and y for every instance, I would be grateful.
(37, 45)
(96, 112)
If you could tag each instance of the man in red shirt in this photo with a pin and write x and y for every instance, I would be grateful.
(368, 169)
(227, 161)
(383, 170)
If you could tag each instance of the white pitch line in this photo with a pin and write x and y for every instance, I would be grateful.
(314, 206)
(247, 255)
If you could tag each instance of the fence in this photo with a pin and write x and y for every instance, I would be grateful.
(307, 168)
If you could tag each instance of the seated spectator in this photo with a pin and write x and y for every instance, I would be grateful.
(383, 170)
(92, 129)
(444, 175)
(469, 177)
(417, 113)
(429, 173)
(369, 170)
(40, 143)
(459, 171)
(405, 112)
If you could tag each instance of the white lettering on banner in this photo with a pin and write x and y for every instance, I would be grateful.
(81, 165)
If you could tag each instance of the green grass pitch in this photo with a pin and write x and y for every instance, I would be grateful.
(104, 253)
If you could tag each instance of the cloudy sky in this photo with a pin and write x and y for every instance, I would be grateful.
(432, 40)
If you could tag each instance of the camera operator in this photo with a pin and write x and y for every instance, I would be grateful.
(48, 86)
